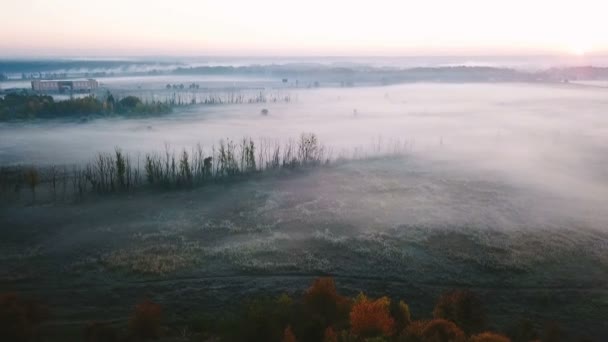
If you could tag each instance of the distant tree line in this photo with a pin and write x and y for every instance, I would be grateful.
(20, 106)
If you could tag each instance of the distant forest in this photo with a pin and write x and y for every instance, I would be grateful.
(303, 71)
(16, 106)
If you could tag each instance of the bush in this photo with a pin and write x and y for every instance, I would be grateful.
(130, 102)
(441, 330)
(413, 332)
(463, 308)
(489, 337)
(145, 322)
(400, 312)
(369, 318)
(19, 318)
(322, 307)
(323, 299)
(264, 319)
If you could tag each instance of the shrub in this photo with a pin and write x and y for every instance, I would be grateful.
(463, 308)
(369, 318)
(19, 318)
(322, 298)
(414, 331)
(441, 330)
(489, 337)
(322, 307)
(145, 322)
(265, 319)
(400, 312)
(130, 102)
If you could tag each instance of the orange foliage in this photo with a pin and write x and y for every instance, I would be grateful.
(441, 330)
(145, 322)
(288, 335)
(19, 318)
(489, 337)
(371, 317)
(322, 299)
(330, 335)
(414, 331)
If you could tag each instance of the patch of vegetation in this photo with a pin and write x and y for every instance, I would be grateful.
(320, 314)
(111, 173)
(24, 106)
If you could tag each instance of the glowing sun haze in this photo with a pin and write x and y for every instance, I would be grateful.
(311, 27)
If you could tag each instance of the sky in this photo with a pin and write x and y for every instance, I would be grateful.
(302, 27)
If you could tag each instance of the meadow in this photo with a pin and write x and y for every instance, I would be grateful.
(407, 191)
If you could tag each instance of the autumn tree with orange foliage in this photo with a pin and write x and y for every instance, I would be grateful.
(145, 322)
(441, 330)
(489, 337)
(288, 335)
(369, 318)
(463, 308)
(322, 307)
(413, 332)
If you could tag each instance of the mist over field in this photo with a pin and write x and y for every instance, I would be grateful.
(498, 187)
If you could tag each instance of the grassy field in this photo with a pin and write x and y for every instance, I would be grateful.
(407, 228)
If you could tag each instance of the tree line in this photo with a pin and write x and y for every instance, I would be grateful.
(24, 106)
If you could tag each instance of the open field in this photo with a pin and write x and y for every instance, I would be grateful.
(404, 227)
(498, 188)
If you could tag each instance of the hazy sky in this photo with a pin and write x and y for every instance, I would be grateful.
(302, 27)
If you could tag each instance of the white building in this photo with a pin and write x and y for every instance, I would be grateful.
(62, 86)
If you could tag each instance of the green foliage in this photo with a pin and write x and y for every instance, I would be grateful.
(263, 319)
(129, 102)
(24, 106)
(322, 306)
(400, 312)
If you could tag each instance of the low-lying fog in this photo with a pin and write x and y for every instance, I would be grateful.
(554, 135)
(502, 189)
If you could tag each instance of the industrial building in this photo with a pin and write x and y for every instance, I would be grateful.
(81, 86)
